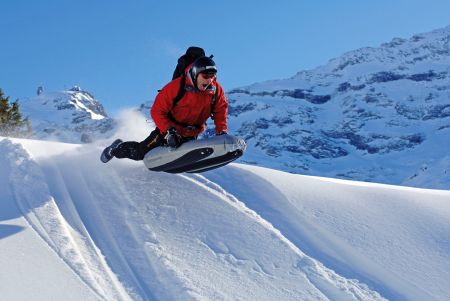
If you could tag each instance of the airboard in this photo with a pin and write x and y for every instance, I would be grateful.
(196, 155)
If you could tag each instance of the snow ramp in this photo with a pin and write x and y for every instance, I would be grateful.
(130, 234)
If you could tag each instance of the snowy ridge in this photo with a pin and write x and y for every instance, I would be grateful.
(239, 232)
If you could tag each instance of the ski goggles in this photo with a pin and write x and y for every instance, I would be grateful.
(208, 75)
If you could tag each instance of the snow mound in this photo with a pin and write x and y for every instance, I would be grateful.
(239, 232)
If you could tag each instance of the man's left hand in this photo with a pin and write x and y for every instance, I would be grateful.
(173, 139)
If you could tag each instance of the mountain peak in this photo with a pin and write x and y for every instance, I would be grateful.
(72, 115)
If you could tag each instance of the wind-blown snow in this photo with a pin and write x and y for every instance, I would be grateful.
(73, 228)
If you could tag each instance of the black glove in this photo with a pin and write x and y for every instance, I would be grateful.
(173, 139)
(221, 133)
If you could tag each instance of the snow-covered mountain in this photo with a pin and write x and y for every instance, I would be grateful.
(73, 228)
(373, 114)
(68, 116)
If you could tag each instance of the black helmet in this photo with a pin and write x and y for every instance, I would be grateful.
(203, 64)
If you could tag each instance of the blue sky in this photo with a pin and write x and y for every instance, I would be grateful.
(124, 51)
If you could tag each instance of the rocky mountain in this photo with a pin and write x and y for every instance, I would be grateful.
(373, 114)
(69, 116)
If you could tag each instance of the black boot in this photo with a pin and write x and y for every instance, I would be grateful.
(108, 153)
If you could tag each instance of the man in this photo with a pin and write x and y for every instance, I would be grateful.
(180, 111)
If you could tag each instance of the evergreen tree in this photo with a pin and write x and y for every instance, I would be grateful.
(11, 122)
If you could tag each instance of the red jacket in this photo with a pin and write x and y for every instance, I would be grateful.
(193, 109)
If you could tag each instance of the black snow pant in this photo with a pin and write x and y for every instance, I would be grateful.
(136, 150)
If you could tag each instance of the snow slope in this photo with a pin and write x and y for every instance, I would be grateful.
(74, 228)
(396, 239)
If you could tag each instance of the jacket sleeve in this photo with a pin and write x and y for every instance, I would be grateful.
(161, 108)
(220, 111)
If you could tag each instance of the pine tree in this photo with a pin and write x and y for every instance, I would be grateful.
(11, 122)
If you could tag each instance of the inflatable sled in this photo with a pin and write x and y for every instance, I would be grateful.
(196, 155)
